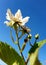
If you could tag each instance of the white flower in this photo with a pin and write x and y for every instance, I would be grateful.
(15, 18)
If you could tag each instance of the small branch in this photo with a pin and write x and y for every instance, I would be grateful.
(30, 44)
(19, 46)
(27, 60)
(11, 36)
(21, 35)
(35, 41)
(29, 55)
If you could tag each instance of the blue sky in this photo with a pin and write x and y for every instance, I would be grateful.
(36, 9)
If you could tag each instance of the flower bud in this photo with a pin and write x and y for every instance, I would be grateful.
(36, 36)
(26, 40)
(29, 36)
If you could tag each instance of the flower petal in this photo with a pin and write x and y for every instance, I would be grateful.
(9, 15)
(25, 20)
(8, 23)
(18, 14)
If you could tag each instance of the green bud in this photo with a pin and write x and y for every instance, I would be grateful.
(36, 36)
(29, 36)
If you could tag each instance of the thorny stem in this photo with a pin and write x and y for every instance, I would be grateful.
(19, 46)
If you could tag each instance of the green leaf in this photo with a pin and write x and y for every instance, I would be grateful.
(9, 55)
(41, 43)
(34, 53)
(34, 58)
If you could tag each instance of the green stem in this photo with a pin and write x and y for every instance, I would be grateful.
(19, 45)
(29, 55)
(30, 44)
(27, 59)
